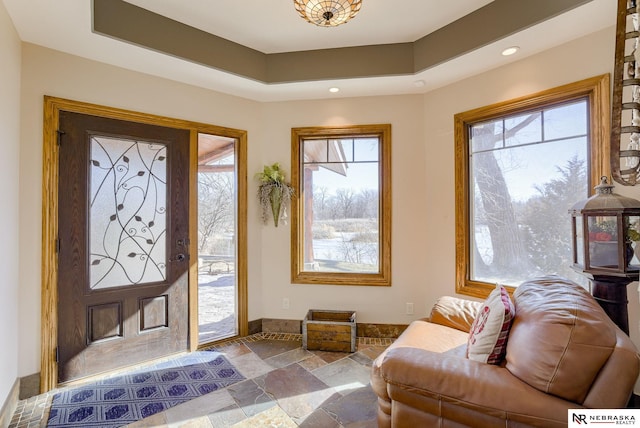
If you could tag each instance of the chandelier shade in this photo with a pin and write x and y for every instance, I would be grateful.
(327, 13)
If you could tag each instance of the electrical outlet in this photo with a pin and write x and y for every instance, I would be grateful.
(285, 303)
(409, 307)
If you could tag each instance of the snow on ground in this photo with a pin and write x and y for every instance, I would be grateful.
(216, 306)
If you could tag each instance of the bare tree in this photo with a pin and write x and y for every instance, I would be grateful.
(345, 199)
(320, 197)
(215, 206)
(499, 214)
(367, 204)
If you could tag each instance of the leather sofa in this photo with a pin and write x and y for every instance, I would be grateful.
(562, 352)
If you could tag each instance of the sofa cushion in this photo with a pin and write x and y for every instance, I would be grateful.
(426, 335)
(420, 334)
(560, 338)
(490, 330)
(454, 312)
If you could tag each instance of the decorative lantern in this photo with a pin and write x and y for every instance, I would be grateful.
(606, 229)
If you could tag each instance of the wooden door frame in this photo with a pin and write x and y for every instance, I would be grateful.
(50, 164)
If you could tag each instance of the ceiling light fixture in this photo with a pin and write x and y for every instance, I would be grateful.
(327, 13)
(510, 51)
(334, 89)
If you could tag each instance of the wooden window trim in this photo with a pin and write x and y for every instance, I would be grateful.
(383, 277)
(595, 89)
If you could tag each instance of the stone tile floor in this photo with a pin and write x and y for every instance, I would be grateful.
(285, 386)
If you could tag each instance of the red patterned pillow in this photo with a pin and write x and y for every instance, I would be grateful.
(490, 330)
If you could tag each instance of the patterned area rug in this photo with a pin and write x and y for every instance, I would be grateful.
(121, 400)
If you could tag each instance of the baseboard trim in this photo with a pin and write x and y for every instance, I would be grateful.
(275, 325)
(29, 386)
(382, 331)
(255, 326)
(10, 404)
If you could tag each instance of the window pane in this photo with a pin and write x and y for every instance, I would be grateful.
(486, 136)
(365, 150)
(315, 151)
(603, 241)
(217, 237)
(520, 196)
(347, 148)
(342, 214)
(579, 241)
(523, 129)
(565, 121)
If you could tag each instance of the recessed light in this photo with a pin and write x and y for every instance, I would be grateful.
(510, 51)
(419, 83)
(333, 90)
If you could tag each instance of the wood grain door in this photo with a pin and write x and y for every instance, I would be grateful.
(123, 243)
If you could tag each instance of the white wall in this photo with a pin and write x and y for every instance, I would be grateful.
(9, 179)
(423, 176)
(409, 252)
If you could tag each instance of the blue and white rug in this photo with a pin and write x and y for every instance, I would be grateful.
(121, 400)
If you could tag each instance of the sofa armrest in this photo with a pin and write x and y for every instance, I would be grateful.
(413, 373)
(454, 312)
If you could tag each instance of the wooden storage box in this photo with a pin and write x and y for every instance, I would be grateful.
(325, 330)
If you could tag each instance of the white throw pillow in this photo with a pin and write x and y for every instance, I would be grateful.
(490, 330)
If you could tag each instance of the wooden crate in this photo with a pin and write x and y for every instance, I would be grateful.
(326, 330)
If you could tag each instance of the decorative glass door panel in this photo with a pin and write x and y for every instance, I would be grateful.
(127, 206)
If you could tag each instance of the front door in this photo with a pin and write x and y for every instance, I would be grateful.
(123, 243)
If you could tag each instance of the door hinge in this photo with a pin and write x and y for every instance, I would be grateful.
(60, 134)
(57, 355)
(57, 244)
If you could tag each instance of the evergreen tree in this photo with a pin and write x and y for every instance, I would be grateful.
(547, 223)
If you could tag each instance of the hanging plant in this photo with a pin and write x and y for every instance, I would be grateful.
(274, 193)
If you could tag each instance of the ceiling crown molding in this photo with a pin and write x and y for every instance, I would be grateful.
(501, 18)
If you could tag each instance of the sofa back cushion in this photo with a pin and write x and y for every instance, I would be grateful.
(560, 338)
(454, 312)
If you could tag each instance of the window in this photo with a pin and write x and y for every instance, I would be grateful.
(341, 210)
(218, 209)
(520, 166)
